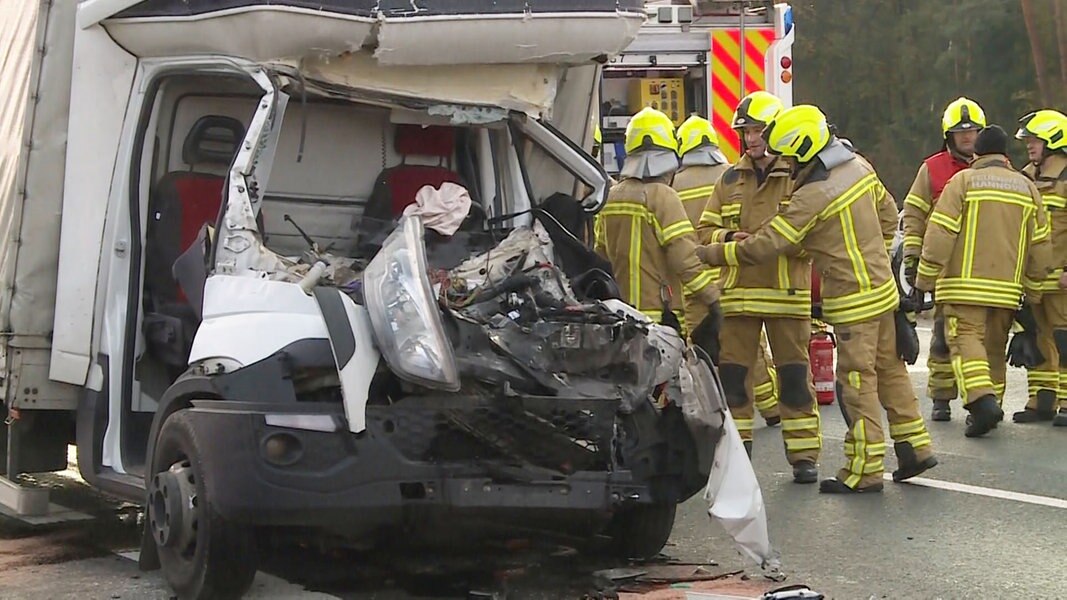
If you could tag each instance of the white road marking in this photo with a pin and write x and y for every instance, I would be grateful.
(978, 490)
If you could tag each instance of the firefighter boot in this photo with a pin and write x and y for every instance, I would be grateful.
(985, 414)
(942, 411)
(1045, 410)
(1061, 418)
(909, 464)
(836, 486)
(805, 472)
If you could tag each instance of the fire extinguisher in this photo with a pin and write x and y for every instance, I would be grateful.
(821, 355)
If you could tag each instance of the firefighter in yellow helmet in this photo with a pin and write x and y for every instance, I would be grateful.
(987, 242)
(702, 165)
(960, 123)
(644, 231)
(1045, 135)
(841, 215)
(775, 294)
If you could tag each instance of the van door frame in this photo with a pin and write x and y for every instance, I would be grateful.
(103, 433)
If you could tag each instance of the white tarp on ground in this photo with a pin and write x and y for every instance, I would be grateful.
(33, 128)
(736, 501)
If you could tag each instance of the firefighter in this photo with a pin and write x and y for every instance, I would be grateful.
(988, 237)
(775, 295)
(702, 165)
(840, 214)
(960, 123)
(643, 230)
(1045, 134)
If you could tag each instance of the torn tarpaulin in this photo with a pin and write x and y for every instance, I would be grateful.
(736, 501)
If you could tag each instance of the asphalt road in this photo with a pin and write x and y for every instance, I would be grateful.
(1003, 537)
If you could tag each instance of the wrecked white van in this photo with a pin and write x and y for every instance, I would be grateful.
(318, 268)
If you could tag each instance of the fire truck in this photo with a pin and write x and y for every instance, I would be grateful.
(697, 57)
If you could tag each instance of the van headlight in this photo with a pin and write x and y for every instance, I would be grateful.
(403, 311)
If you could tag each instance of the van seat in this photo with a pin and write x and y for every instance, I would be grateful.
(184, 201)
(181, 204)
(396, 186)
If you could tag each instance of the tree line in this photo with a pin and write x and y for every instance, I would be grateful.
(883, 70)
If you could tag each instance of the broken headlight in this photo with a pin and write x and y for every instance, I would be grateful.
(403, 311)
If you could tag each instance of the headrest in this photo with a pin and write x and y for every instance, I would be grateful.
(213, 139)
(435, 140)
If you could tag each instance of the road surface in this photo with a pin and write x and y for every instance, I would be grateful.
(989, 522)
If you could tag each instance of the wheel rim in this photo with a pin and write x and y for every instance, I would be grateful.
(173, 509)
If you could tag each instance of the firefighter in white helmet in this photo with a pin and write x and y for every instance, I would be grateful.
(703, 163)
(775, 294)
(644, 231)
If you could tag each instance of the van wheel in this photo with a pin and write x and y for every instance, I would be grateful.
(641, 531)
(202, 555)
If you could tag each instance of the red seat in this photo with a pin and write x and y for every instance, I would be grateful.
(184, 201)
(397, 186)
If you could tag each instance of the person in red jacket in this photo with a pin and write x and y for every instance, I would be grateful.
(962, 120)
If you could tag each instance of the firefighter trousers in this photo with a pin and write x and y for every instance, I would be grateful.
(763, 384)
(977, 337)
(871, 377)
(1050, 376)
(740, 337)
(941, 383)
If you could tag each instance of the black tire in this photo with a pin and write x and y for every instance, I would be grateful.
(641, 531)
(222, 561)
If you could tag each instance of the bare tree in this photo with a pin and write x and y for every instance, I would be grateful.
(1060, 21)
(1035, 48)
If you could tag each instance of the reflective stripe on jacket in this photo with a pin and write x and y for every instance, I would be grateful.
(988, 238)
(694, 186)
(644, 231)
(931, 179)
(1051, 181)
(741, 202)
(842, 217)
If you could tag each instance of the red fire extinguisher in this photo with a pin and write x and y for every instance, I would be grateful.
(821, 355)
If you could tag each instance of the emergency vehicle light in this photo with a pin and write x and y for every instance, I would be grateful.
(786, 62)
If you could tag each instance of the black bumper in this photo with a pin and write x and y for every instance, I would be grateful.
(346, 482)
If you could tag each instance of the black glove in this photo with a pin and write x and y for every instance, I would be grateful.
(706, 334)
(1025, 317)
(1023, 350)
(670, 319)
(907, 338)
(911, 269)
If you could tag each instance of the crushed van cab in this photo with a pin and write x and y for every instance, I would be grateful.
(322, 274)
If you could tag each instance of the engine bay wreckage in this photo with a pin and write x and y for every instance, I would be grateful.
(494, 360)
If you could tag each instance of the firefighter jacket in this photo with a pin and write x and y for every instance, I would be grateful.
(933, 174)
(695, 185)
(745, 200)
(1051, 180)
(843, 217)
(988, 238)
(643, 230)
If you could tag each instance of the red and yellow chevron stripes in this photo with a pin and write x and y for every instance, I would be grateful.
(725, 87)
